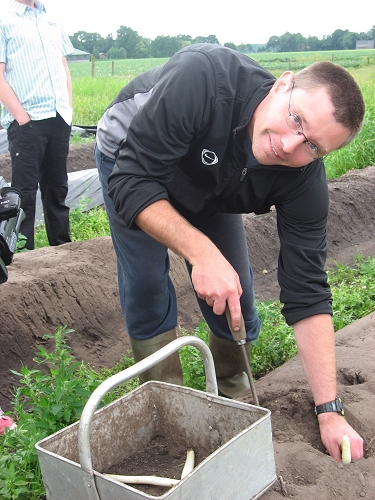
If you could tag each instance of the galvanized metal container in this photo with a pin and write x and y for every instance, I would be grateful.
(235, 437)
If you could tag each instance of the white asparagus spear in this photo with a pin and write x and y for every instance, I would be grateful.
(154, 480)
(189, 463)
(345, 450)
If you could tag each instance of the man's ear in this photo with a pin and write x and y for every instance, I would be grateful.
(283, 83)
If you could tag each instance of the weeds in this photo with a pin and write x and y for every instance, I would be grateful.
(88, 224)
(353, 291)
(191, 360)
(51, 396)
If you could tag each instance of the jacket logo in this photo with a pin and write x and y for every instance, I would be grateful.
(209, 157)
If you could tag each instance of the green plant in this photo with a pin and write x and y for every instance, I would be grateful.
(20, 477)
(50, 396)
(21, 242)
(353, 291)
(191, 360)
(56, 398)
(45, 401)
(275, 343)
(87, 224)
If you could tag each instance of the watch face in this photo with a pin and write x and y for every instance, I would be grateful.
(331, 406)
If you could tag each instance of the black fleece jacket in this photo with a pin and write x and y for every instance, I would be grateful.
(187, 143)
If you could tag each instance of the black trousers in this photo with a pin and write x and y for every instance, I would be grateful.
(39, 153)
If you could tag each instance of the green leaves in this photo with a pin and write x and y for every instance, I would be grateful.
(51, 396)
(353, 291)
(191, 360)
(360, 152)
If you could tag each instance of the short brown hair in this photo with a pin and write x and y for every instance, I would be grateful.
(345, 94)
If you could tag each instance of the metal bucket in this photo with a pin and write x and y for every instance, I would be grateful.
(235, 437)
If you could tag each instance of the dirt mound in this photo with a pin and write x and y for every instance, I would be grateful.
(304, 470)
(76, 285)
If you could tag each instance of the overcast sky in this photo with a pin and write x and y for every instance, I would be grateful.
(240, 21)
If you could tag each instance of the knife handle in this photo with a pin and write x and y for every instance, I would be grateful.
(241, 334)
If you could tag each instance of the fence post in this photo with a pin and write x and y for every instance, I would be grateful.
(113, 68)
(93, 66)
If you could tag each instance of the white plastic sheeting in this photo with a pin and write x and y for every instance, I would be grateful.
(84, 190)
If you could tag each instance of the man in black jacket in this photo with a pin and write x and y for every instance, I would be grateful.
(182, 152)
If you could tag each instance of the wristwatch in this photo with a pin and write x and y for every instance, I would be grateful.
(335, 406)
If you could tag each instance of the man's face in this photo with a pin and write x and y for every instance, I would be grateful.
(274, 143)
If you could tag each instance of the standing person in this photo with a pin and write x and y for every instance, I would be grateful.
(36, 98)
(182, 152)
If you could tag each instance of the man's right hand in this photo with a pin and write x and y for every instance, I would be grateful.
(24, 120)
(216, 282)
(214, 279)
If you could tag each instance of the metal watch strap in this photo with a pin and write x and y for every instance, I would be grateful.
(332, 406)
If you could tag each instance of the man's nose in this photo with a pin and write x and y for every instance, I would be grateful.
(290, 142)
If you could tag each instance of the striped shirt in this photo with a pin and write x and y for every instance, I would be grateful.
(32, 46)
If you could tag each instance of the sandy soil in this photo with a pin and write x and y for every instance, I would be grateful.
(75, 285)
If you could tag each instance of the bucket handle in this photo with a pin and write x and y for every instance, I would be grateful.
(118, 379)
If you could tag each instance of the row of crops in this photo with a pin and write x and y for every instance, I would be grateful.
(299, 60)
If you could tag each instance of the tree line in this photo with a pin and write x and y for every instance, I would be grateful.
(129, 44)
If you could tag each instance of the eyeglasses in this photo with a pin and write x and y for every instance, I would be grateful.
(295, 125)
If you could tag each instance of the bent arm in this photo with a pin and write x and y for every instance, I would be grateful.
(214, 279)
(10, 101)
(316, 347)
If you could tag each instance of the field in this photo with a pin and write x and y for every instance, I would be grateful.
(92, 94)
(297, 60)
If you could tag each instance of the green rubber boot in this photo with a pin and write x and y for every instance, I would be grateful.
(230, 366)
(168, 370)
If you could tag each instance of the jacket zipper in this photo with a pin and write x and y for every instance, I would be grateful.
(243, 173)
(236, 182)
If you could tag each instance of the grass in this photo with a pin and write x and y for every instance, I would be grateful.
(92, 95)
(52, 394)
(360, 153)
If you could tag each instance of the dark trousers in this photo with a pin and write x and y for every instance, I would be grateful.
(39, 152)
(147, 295)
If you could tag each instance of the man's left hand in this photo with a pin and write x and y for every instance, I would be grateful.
(332, 429)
